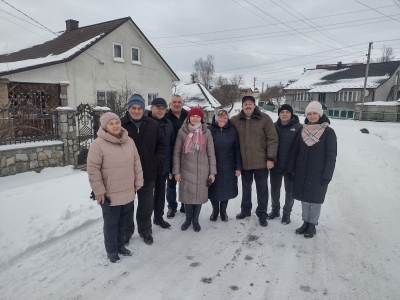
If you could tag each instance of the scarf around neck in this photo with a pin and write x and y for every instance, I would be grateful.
(194, 141)
(311, 133)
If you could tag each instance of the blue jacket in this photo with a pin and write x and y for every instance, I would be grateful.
(227, 152)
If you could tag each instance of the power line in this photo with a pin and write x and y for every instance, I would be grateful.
(29, 17)
(21, 19)
(377, 11)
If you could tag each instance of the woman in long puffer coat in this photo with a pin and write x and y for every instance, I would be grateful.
(194, 165)
(229, 164)
(115, 174)
(313, 162)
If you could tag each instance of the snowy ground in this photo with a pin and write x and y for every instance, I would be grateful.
(52, 243)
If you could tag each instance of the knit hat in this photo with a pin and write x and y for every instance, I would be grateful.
(135, 99)
(314, 106)
(196, 111)
(159, 102)
(107, 117)
(248, 98)
(285, 107)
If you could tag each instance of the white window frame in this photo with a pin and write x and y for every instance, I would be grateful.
(151, 97)
(136, 62)
(117, 58)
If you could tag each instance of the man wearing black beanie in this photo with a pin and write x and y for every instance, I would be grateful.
(288, 127)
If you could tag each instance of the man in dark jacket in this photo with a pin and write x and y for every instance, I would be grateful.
(258, 148)
(150, 143)
(158, 109)
(287, 127)
(177, 115)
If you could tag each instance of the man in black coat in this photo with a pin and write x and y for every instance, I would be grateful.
(177, 115)
(150, 143)
(158, 109)
(288, 128)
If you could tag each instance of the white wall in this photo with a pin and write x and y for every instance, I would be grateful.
(87, 76)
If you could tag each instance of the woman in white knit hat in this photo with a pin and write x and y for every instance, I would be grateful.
(313, 163)
(115, 174)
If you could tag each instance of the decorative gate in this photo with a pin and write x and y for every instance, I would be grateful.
(87, 126)
(29, 114)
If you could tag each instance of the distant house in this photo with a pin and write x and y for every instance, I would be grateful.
(341, 85)
(87, 64)
(246, 92)
(196, 95)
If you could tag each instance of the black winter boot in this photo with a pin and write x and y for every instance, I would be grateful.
(188, 221)
(285, 219)
(113, 257)
(302, 229)
(125, 252)
(222, 207)
(182, 209)
(215, 212)
(162, 223)
(196, 213)
(274, 214)
(310, 231)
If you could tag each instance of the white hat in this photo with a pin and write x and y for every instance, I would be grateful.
(314, 106)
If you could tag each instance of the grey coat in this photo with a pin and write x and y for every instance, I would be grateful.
(194, 168)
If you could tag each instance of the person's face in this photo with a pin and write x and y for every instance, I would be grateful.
(285, 116)
(313, 117)
(158, 111)
(195, 119)
(114, 127)
(136, 111)
(248, 107)
(222, 120)
(176, 104)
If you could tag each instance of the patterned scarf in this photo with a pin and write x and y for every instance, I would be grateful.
(311, 133)
(194, 141)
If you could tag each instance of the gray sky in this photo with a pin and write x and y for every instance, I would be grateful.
(272, 40)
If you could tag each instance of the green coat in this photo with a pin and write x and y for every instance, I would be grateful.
(258, 139)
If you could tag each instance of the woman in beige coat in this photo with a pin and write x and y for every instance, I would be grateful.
(115, 174)
(194, 165)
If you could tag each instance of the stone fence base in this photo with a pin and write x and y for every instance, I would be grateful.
(31, 157)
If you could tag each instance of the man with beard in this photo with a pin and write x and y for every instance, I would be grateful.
(258, 148)
(287, 127)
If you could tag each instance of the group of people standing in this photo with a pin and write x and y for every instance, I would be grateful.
(149, 153)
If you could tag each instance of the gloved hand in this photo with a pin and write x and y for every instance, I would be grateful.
(325, 181)
(290, 176)
(104, 206)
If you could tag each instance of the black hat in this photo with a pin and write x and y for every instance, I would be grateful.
(285, 107)
(159, 102)
(248, 98)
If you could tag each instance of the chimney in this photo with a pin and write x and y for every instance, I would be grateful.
(71, 25)
(339, 65)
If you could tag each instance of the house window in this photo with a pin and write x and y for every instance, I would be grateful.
(106, 98)
(118, 52)
(151, 97)
(135, 51)
(349, 96)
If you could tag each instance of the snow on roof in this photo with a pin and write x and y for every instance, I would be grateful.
(381, 103)
(4, 67)
(313, 81)
(195, 94)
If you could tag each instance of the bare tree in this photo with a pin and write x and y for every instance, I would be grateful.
(205, 70)
(272, 92)
(386, 54)
(227, 90)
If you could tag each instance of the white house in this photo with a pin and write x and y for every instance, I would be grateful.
(87, 65)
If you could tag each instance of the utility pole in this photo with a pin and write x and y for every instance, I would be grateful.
(262, 89)
(365, 81)
(254, 83)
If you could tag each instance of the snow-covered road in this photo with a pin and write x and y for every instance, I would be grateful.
(52, 243)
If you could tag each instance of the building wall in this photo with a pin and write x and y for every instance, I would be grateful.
(383, 90)
(87, 75)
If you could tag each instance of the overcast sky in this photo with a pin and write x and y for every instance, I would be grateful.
(272, 40)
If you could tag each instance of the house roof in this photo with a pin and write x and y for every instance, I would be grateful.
(244, 90)
(64, 48)
(195, 94)
(350, 77)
